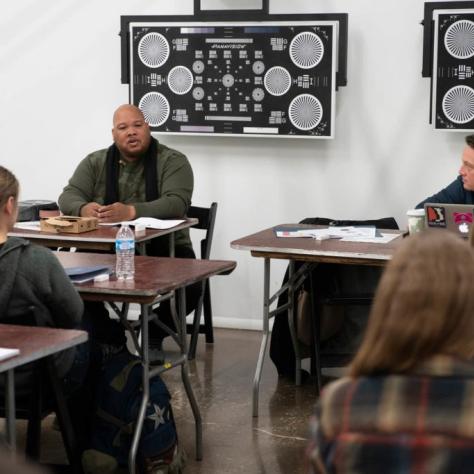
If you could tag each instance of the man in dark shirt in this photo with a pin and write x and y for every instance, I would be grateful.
(461, 190)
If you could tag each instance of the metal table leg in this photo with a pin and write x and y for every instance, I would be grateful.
(10, 411)
(185, 372)
(266, 331)
(145, 309)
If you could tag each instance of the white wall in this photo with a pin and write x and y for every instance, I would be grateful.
(60, 82)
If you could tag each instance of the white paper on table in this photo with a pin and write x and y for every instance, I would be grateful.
(152, 223)
(6, 353)
(352, 231)
(295, 233)
(342, 232)
(332, 232)
(29, 225)
(385, 239)
(149, 223)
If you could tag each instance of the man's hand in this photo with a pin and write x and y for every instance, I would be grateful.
(90, 210)
(116, 212)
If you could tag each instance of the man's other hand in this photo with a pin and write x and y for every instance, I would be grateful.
(90, 210)
(116, 212)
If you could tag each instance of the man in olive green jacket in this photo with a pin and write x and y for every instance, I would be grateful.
(135, 177)
(119, 174)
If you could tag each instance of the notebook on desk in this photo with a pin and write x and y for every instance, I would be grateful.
(88, 273)
(457, 218)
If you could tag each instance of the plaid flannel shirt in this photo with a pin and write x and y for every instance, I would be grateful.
(417, 423)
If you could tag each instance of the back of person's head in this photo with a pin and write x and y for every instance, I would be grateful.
(469, 140)
(8, 186)
(424, 306)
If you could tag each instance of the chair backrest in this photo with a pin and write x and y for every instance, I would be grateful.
(207, 218)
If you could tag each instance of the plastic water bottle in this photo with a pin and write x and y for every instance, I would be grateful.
(125, 253)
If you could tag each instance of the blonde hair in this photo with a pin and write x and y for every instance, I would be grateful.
(8, 185)
(424, 305)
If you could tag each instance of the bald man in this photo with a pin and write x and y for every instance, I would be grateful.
(111, 183)
(135, 177)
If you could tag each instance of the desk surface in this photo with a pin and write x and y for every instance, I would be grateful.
(102, 238)
(153, 275)
(36, 342)
(267, 244)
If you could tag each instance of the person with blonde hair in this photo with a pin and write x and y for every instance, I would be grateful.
(35, 291)
(407, 402)
(34, 287)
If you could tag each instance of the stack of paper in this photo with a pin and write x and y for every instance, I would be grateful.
(293, 232)
(149, 223)
(368, 234)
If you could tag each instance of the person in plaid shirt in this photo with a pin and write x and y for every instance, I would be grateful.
(407, 405)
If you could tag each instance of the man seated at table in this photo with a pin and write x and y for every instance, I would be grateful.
(136, 177)
(461, 190)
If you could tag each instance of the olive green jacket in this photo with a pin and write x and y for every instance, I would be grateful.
(175, 187)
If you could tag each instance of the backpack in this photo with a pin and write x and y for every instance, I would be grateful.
(118, 399)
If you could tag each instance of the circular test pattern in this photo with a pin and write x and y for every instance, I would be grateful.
(305, 112)
(198, 93)
(198, 67)
(180, 80)
(277, 81)
(228, 80)
(458, 104)
(258, 67)
(155, 108)
(153, 50)
(306, 50)
(258, 94)
(459, 39)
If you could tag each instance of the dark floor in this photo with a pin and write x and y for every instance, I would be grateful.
(234, 441)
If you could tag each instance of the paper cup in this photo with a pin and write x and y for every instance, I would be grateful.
(416, 220)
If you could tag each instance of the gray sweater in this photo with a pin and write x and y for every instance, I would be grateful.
(35, 290)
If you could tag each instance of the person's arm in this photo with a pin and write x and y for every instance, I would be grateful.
(452, 194)
(176, 189)
(79, 192)
(57, 292)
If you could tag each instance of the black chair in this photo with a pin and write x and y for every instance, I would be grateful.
(207, 218)
(44, 395)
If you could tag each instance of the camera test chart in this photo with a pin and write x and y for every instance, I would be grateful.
(275, 78)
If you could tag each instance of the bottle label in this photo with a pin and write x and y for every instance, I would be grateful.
(124, 245)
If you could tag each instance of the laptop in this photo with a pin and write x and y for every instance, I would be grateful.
(457, 218)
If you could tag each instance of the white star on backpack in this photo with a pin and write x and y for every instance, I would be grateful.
(158, 416)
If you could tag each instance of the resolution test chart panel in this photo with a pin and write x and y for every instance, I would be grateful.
(453, 70)
(239, 79)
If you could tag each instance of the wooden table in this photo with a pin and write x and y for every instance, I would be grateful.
(102, 238)
(156, 279)
(34, 343)
(266, 245)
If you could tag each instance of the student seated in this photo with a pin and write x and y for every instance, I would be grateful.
(406, 405)
(35, 290)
